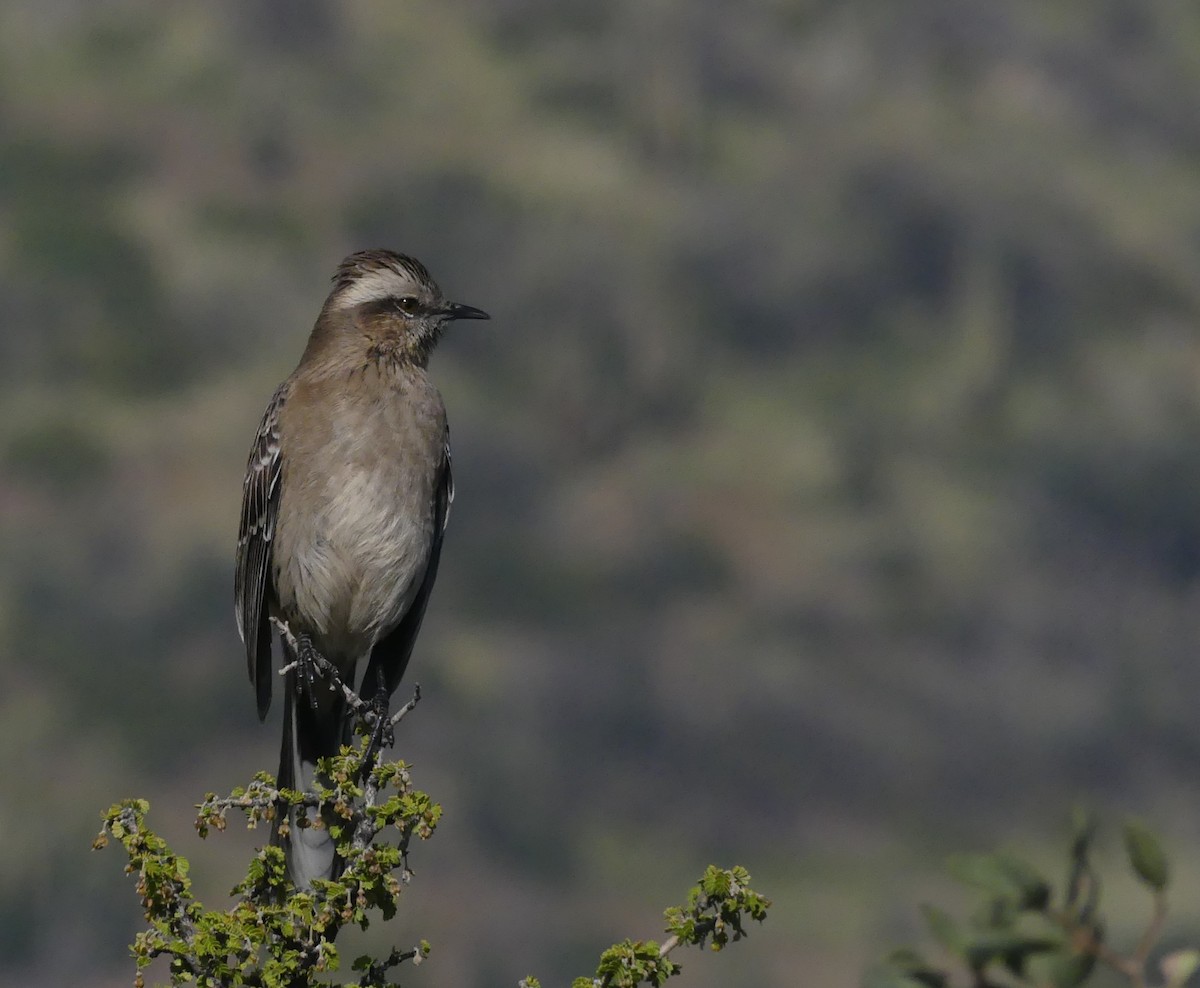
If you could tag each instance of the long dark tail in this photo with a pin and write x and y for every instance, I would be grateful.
(308, 734)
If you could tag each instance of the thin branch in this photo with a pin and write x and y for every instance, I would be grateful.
(365, 830)
(1153, 930)
(376, 972)
(261, 799)
(416, 698)
(1085, 940)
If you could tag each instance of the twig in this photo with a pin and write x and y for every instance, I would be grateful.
(1085, 940)
(1153, 930)
(375, 972)
(416, 698)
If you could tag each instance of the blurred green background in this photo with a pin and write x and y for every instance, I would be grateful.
(827, 476)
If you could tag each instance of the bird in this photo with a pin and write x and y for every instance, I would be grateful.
(345, 501)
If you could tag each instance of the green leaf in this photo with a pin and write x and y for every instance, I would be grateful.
(982, 871)
(1069, 968)
(1146, 855)
(716, 882)
(1011, 949)
(888, 975)
(944, 929)
(1003, 875)
(914, 967)
(1178, 966)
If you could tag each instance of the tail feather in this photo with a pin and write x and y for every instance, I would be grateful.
(308, 735)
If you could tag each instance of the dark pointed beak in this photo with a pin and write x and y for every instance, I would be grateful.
(456, 310)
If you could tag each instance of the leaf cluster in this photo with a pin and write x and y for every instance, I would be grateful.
(714, 913)
(278, 936)
(1025, 932)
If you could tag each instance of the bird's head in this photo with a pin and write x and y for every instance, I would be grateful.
(391, 300)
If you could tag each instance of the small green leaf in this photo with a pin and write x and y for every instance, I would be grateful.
(944, 929)
(1178, 966)
(1003, 875)
(915, 968)
(1069, 969)
(1011, 949)
(892, 975)
(982, 871)
(1146, 855)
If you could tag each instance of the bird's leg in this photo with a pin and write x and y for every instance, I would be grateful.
(383, 727)
(381, 724)
(310, 665)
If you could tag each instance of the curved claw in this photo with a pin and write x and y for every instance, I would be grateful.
(381, 728)
(309, 670)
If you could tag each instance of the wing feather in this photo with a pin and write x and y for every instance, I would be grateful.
(253, 590)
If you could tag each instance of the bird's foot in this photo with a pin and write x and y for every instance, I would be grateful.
(310, 665)
(382, 735)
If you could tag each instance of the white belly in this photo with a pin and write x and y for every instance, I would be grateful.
(356, 523)
(361, 568)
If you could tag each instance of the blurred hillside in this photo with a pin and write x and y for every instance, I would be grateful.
(827, 475)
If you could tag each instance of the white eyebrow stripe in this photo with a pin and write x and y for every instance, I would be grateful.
(374, 286)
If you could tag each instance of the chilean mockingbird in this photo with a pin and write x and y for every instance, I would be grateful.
(346, 496)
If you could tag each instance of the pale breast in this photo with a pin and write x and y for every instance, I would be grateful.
(356, 514)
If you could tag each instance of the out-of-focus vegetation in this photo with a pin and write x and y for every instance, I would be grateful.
(827, 475)
(1026, 931)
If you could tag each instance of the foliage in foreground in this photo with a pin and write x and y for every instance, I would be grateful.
(1027, 933)
(275, 936)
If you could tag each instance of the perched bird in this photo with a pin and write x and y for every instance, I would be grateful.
(345, 500)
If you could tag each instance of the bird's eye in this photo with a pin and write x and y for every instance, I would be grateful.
(407, 304)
